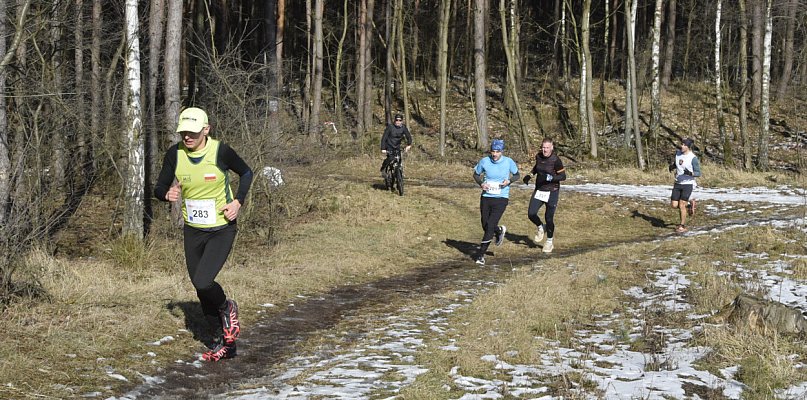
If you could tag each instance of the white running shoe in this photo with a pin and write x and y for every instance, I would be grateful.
(539, 236)
(548, 246)
(500, 235)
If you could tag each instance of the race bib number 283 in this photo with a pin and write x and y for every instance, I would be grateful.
(201, 211)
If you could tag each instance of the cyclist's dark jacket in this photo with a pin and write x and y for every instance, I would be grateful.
(548, 165)
(391, 140)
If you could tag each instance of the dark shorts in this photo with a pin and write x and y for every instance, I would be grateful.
(681, 192)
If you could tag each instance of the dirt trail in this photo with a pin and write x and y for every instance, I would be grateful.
(266, 348)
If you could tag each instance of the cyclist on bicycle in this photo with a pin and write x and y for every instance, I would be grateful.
(391, 142)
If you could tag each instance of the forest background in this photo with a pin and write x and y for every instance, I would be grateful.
(90, 92)
(85, 102)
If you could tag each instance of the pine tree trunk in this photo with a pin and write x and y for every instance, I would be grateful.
(633, 95)
(368, 81)
(743, 67)
(5, 161)
(309, 69)
(480, 74)
(338, 70)
(721, 122)
(402, 62)
(787, 68)
(156, 26)
(279, 38)
(317, 64)
(757, 50)
(445, 11)
(389, 38)
(669, 47)
(361, 67)
(511, 78)
(81, 136)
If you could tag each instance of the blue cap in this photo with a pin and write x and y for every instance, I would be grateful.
(497, 145)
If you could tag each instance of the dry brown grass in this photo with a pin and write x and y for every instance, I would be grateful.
(106, 303)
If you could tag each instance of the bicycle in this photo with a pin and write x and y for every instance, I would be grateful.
(393, 177)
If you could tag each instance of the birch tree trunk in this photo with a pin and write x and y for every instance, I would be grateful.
(480, 76)
(669, 47)
(587, 133)
(764, 113)
(655, 92)
(317, 63)
(721, 122)
(787, 68)
(442, 66)
(743, 67)
(133, 211)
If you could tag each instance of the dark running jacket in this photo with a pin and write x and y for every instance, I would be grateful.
(548, 166)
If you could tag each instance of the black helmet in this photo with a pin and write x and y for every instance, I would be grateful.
(398, 117)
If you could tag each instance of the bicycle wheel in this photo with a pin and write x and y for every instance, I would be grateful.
(399, 180)
(388, 179)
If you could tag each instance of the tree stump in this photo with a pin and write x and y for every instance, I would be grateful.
(749, 312)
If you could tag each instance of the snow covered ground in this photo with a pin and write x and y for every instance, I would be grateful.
(382, 361)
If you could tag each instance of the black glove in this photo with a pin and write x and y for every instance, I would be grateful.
(672, 167)
(526, 179)
(687, 172)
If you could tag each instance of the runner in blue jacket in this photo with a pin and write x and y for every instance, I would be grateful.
(493, 174)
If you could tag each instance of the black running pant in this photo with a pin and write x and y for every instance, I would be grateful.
(549, 215)
(205, 254)
(491, 210)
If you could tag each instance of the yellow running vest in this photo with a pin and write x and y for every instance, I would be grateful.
(205, 187)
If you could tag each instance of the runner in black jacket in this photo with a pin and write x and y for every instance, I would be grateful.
(548, 171)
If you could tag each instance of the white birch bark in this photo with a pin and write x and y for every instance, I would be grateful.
(133, 189)
(764, 106)
(655, 92)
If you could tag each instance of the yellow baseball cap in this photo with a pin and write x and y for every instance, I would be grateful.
(192, 120)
